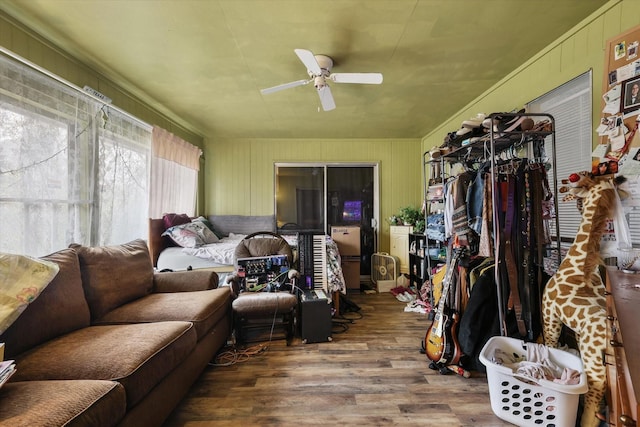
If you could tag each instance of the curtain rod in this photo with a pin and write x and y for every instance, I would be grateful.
(67, 83)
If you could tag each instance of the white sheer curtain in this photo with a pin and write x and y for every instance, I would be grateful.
(174, 174)
(71, 169)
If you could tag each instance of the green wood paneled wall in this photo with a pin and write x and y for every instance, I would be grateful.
(239, 177)
(576, 52)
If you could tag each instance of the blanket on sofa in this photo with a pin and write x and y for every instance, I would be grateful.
(22, 279)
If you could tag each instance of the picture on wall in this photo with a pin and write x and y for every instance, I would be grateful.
(631, 94)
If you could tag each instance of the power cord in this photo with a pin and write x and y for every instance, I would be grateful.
(230, 355)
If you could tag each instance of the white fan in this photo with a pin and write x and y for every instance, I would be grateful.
(319, 69)
(384, 271)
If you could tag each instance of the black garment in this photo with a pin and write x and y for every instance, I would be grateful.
(481, 321)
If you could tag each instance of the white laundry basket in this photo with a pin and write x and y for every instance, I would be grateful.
(525, 403)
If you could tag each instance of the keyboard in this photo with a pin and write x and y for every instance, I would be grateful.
(312, 253)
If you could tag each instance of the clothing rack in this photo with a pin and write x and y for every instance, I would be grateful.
(496, 145)
(502, 152)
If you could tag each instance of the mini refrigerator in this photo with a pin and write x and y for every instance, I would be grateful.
(347, 239)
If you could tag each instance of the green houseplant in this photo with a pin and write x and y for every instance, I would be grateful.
(408, 215)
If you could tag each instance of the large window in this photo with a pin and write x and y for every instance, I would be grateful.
(71, 168)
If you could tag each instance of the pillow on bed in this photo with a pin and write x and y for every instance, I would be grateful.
(208, 224)
(191, 235)
(172, 219)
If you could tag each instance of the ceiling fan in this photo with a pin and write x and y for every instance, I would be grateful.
(319, 69)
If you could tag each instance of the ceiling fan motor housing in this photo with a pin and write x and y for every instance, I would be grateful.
(325, 63)
(319, 70)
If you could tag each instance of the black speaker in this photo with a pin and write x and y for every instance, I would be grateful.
(315, 317)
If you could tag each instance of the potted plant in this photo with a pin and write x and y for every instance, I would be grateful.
(410, 216)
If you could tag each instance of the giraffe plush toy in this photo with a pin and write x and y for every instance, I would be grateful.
(574, 296)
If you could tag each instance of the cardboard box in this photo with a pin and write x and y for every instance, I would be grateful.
(351, 272)
(348, 239)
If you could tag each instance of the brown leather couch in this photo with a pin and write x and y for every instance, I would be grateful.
(112, 342)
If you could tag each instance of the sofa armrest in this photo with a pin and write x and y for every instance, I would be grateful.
(184, 281)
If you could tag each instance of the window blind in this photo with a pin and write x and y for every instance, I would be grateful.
(570, 106)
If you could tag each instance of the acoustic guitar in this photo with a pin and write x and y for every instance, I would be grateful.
(441, 341)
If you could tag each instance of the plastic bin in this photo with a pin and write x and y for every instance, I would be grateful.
(525, 403)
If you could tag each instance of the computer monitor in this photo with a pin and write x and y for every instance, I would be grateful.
(352, 211)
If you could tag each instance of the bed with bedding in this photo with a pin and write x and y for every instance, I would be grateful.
(177, 242)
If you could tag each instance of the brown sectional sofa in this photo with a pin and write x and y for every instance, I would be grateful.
(112, 342)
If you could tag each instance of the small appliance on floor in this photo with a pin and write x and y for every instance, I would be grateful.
(384, 271)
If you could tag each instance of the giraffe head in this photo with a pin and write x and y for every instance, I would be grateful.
(583, 184)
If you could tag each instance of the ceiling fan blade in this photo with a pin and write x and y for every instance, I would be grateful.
(326, 98)
(366, 78)
(284, 86)
(307, 58)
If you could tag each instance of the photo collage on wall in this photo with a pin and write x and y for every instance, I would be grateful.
(618, 152)
(619, 148)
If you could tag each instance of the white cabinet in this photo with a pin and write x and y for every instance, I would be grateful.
(400, 245)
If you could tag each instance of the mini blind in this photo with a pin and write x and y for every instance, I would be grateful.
(570, 106)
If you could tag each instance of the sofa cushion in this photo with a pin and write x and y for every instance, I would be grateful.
(138, 356)
(60, 308)
(76, 403)
(114, 275)
(203, 308)
(185, 281)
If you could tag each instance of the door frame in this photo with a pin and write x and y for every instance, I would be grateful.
(375, 221)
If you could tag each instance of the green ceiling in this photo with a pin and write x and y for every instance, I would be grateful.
(205, 61)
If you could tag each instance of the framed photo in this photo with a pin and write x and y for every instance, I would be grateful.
(631, 94)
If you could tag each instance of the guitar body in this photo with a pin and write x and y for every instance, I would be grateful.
(441, 341)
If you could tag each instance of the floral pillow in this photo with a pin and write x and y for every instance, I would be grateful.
(208, 224)
(191, 235)
(22, 279)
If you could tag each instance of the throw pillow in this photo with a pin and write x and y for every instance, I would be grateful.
(60, 308)
(22, 279)
(172, 219)
(208, 224)
(114, 275)
(191, 235)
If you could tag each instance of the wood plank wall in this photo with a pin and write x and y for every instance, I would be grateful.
(240, 173)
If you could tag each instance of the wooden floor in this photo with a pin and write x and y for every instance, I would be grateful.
(371, 375)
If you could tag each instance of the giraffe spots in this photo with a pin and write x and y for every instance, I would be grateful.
(552, 293)
(568, 311)
(584, 293)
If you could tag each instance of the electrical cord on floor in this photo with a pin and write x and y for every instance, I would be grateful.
(352, 316)
(230, 355)
(339, 326)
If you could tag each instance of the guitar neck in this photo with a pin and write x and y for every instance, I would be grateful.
(447, 279)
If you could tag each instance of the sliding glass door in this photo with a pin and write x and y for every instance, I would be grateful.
(316, 196)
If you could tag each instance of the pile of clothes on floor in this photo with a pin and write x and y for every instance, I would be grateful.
(413, 300)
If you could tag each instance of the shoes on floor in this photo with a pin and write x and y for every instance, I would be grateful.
(405, 297)
(416, 307)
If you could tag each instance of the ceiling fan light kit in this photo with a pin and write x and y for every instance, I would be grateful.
(319, 70)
